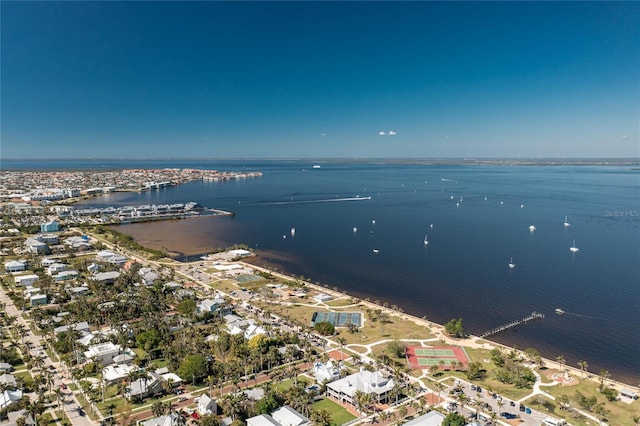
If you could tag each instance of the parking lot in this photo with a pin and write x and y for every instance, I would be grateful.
(492, 402)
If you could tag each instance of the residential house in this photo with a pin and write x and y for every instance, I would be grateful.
(145, 387)
(106, 277)
(326, 372)
(15, 266)
(65, 276)
(103, 352)
(369, 382)
(8, 381)
(432, 418)
(49, 239)
(8, 397)
(38, 299)
(26, 280)
(5, 367)
(51, 226)
(54, 268)
(206, 405)
(171, 419)
(283, 416)
(36, 246)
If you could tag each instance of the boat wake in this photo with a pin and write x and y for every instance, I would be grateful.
(328, 200)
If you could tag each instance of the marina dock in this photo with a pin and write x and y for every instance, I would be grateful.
(509, 326)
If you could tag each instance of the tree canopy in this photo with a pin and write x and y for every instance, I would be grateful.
(454, 419)
(454, 327)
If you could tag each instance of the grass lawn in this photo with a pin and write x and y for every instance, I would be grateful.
(339, 415)
(620, 413)
(337, 303)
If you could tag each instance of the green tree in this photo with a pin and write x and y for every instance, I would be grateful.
(455, 328)
(475, 370)
(325, 328)
(193, 367)
(454, 419)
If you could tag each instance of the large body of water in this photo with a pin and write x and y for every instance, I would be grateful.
(480, 216)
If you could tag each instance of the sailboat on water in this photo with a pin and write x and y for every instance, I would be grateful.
(566, 222)
(511, 264)
(426, 241)
(573, 248)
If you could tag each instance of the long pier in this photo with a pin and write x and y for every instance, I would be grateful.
(506, 327)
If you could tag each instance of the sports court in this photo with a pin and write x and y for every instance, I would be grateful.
(449, 357)
(338, 319)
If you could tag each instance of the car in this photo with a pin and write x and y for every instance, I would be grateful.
(512, 403)
(508, 416)
(494, 396)
(522, 407)
(182, 399)
(478, 389)
(63, 386)
(473, 387)
(178, 391)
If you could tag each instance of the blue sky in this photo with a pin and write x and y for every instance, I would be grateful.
(305, 79)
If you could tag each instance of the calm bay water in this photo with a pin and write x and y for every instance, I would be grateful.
(463, 271)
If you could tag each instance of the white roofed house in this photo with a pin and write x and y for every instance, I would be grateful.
(26, 280)
(206, 405)
(106, 277)
(36, 246)
(54, 268)
(104, 353)
(15, 266)
(326, 372)
(364, 381)
(283, 416)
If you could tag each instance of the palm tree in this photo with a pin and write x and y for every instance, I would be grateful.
(341, 342)
(560, 360)
(321, 417)
(604, 375)
(500, 405)
(583, 366)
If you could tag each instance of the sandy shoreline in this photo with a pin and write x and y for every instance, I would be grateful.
(184, 238)
(438, 330)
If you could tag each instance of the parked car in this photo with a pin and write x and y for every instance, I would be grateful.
(508, 416)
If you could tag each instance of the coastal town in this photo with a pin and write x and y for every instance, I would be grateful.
(98, 330)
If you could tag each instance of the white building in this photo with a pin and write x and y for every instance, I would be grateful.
(26, 280)
(283, 416)
(432, 418)
(326, 372)
(365, 381)
(206, 405)
(103, 352)
(15, 266)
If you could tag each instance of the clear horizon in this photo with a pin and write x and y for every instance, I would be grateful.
(285, 80)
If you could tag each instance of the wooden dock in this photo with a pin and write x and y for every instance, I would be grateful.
(506, 327)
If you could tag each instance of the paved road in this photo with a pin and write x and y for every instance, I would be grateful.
(71, 407)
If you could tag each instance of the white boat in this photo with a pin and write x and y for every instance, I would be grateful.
(532, 228)
(355, 229)
(566, 221)
(431, 226)
(376, 251)
(559, 311)
(501, 201)
(373, 221)
(293, 232)
(511, 264)
(573, 248)
(522, 206)
(316, 166)
(425, 240)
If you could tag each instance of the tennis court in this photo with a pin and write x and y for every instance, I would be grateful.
(435, 352)
(338, 319)
(421, 357)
